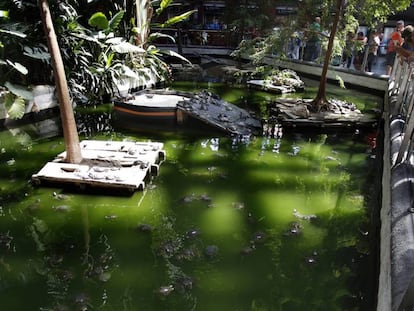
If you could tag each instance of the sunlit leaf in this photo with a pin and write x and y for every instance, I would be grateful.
(19, 67)
(14, 33)
(126, 47)
(163, 5)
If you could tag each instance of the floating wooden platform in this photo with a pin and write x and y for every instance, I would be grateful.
(106, 164)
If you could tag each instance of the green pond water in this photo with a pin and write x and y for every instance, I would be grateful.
(261, 223)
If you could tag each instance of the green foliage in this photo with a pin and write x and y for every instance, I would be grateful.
(163, 5)
(15, 100)
(374, 12)
(176, 19)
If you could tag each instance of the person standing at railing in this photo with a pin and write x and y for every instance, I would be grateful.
(313, 43)
(406, 51)
(407, 35)
(373, 45)
(360, 44)
(395, 41)
(348, 48)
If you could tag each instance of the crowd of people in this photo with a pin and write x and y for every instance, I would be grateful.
(360, 50)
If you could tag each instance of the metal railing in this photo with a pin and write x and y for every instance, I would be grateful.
(200, 37)
(299, 52)
(401, 103)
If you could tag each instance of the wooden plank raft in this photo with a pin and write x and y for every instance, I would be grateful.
(106, 164)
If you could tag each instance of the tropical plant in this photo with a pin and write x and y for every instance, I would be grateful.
(22, 52)
(14, 98)
(105, 54)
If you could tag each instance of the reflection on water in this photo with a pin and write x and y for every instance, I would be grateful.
(279, 222)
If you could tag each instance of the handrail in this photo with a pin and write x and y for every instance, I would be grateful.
(401, 94)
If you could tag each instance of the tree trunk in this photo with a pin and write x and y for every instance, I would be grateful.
(320, 99)
(70, 132)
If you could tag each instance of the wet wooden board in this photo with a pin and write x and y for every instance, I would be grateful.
(106, 164)
(210, 109)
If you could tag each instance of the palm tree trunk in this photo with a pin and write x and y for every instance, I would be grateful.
(70, 132)
(320, 98)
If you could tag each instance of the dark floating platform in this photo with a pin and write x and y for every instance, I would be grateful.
(212, 110)
(113, 165)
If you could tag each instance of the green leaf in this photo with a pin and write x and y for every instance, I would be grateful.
(163, 5)
(109, 60)
(99, 21)
(116, 20)
(17, 109)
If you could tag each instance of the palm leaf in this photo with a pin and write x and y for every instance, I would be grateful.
(157, 35)
(174, 54)
(177, 19)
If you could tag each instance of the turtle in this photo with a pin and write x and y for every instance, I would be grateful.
(211, 251)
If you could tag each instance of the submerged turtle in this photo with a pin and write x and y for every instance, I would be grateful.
(184, 284)
(82, 302)
(192, 233)
(259, 237)
(165, 291)
(295, 228)
(248, 250)
(188, 254)
(144, 228)
(62, 208)
(211, 251)
(168, 248)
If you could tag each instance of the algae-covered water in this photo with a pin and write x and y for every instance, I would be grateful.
(261, 223)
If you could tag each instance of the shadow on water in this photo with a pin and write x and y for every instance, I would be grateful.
(279, 222)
